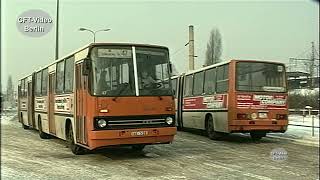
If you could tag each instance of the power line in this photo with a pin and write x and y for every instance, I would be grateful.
(303, 53)
(175, 52)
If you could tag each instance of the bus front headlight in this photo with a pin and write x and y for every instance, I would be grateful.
(102, 123)
(169, 120)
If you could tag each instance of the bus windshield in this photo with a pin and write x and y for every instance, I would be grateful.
(259, 76)
(113, 71)
(153, 71)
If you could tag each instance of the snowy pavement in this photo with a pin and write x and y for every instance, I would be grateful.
(300, 130)
(299, 120)
(191, 156)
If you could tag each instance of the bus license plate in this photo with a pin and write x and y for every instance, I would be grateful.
(263, 115)
(139, 133)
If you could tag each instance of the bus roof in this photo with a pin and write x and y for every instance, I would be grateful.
(94, 44)
(226, 62)
(208, 67)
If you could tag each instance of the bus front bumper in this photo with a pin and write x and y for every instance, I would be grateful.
(258, 125)
(105, 138)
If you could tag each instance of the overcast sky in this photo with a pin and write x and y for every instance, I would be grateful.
(262, 30)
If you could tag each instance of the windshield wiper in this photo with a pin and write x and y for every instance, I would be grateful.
(122, 88)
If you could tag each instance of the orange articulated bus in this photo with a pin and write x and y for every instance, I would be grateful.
(101, 95)
(233, 96)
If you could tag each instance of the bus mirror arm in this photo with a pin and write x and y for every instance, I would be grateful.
(86, 66)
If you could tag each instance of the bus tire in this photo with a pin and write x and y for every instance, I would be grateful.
(177, 125)
(23, 126)
(75, 149)
(257, 135)
(211, 133)
(138, 147)
(42, 134)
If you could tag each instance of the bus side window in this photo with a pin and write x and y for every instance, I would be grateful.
(60, 77)
(222, 78)
(210, 81)
(19, 90)
(188, 85)
(44, 82)
(198, 83)
(69, 70)
(22, 88)
(38, 84)
(25, 86)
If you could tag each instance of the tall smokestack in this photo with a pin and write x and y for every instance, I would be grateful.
(191, 48)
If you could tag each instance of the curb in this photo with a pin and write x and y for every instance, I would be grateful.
(303, 125)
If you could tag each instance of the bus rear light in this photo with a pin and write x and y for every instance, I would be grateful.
(242, 116)
(282, 116)
(104, 110)
(254, 116)
(169, 109)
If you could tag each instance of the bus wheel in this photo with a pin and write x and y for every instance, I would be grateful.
(42, 134)
(257, 135)
(211, 133)
(138, 147)
(23, 126)
(75, 149)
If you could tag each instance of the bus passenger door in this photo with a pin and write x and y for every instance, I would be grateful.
(30, 105)
(52, 126)
(19, 102)
(81, 101)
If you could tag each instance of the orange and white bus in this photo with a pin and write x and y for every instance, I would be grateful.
(233, 96)
(95, 97)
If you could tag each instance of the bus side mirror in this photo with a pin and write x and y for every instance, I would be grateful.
(170, 67)
(86, 67)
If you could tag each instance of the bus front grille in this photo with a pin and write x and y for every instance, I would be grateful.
(133, 122)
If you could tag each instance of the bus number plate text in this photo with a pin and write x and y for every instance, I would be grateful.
(139, 133)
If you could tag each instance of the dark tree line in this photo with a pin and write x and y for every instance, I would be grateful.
(214, 48)
(300, 101)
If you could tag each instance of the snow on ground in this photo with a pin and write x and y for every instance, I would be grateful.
(6, 117)
(304, 121)
(300, 130)
(24, 155)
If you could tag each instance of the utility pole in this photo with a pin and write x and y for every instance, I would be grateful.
(312, 64)
(191, 48)
(309, 64)
(57, 32)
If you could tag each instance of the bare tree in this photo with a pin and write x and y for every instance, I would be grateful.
(10, 98)
(214, 48)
